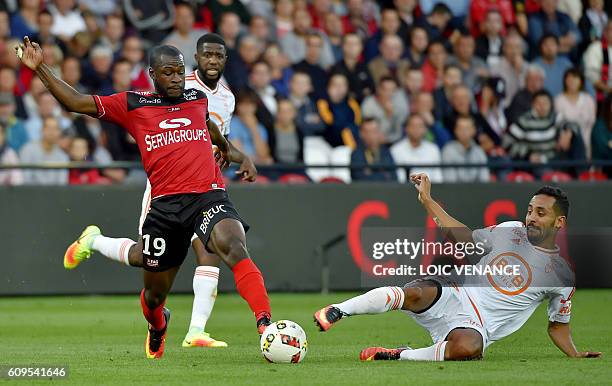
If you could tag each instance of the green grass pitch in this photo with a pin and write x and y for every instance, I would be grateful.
(101, 340)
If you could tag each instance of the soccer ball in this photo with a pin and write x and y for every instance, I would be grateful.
(284, 341)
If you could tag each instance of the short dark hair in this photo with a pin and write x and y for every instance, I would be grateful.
(209, 38)
(540, 93)
(561, 205)
(367, 120)
(573, 71)
(387, 78)
(547, 36)
(159, 51)
(441, 8)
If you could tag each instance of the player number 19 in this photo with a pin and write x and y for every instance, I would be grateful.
(159, 244)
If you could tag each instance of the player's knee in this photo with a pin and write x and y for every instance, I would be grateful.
(412, 295)
(464, 349)
(153, 298)
(237, 250)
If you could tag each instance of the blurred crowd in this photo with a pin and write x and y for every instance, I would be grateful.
(329, 82)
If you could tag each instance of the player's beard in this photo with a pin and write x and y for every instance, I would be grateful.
(208, 80)
(537, 234)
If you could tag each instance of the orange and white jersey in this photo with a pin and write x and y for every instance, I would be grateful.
(221, 101)
(505, 302)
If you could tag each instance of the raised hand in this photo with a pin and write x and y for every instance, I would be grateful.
(29, 53)
(423, 185)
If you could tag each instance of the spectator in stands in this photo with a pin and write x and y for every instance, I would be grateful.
(80, 45)
(15, 133)
(334, 32)
(184, 36)
(388, 107)
(43, 151)
(389, 26)
(308, 121)
(152, 18)
(548, 20)
(93, 25)
(521, 103)
(44, 34)
(99, 7)
(260, 29)
(592, 23)
(114, 29)
(247, 133)
(554, 66)
(265, 95)
(240, 65)
(405, 10)
(229, 28)
(219, 7)
(512, 67)
(340, 113)
(459, 8)
(372, 152)
(361, 18)
(390, 62)
(575, 105)
(601, 138)
(24, 21)
(289, 143)
(597, 62)
(280, 69)
(355, 70)
(424, 106)
(462, 102)
(122, 80)
(133, 52)
(490, 99)
(294, 42)
(441, 95)
(489, 43)
(71, 73)
(97, 76)
(79, 152)
(53, 57)
(433, 69)
(8, 84)
(412, 85)
(283, 17)
(47, 107)
(67, 20)
(472, 67)
(311, 63)
(437, 21)
(8, 157)
(464, 150)
(414, 149)
(480, 10)
(318, 9)
(416, 52)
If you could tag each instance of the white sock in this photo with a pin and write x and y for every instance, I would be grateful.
(431, 353)
(114, 249)
(376, 301)
(205, 280)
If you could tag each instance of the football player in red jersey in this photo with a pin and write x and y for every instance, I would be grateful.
(175, 137)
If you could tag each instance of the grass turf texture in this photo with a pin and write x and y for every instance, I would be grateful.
(101, 340)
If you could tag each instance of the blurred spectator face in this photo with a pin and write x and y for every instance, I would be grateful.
(5, 26)
(405, 6)
(321, 6)
(47, 105)
(64, 6)
(7, 108)
(596, 5)
(437, 55)
(184, 19)
(286, 113)
(259, 28)
(464, 130)
(386, 89)
(114, 28)
(415, 128)
(534, 80)
(45, 21)
(549, 48)
(79, 150)
(284, 8)
(541, 106)
(333, 25)
(452, 77)
(370, 134)
(101, 59)
(122, 79)
(260, 76)
(419, 40)
(391, 48)
(275, 57)
(301, 21)
(50, 131)
(132, 50)
(249, 49)
(513, 47)
(81, 43)
(464, 47)
(314, 46)
(573, 83)
(355, 7)
(424, 102)
(8, 79)
(246, 107)
(413, 81)
(460, 99)
(229, 27)
(300, 85)
(30, 4)
(493, 24)
(91, 23)
(548, 6)
(352, 47)
(337, 88)
(389, 21)
(52, 55)
(71, 71)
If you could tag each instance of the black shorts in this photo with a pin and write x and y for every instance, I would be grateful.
(172, 221)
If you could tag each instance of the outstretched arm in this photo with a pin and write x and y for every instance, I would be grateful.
(31, 55)
(453, 228)
(561, 336)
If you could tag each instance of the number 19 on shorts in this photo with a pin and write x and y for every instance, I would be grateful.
(159, 245)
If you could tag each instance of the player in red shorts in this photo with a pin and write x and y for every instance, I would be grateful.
(175, 138)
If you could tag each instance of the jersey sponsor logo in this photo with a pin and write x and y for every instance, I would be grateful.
(174, 123)
(149, 101)
(191, 95)
(209, 215)
(169, 137)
